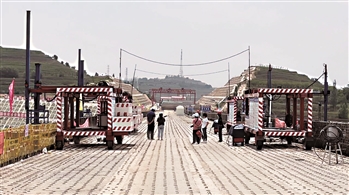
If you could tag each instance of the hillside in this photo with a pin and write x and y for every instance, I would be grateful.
(53, 72)
(280, 78)
(174, 82)
(12, 63)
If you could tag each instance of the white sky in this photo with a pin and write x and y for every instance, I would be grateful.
(296, 35)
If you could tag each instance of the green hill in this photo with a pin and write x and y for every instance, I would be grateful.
(284, 78)
(12, 65)
(53, 72)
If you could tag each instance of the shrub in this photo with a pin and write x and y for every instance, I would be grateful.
(343, 111)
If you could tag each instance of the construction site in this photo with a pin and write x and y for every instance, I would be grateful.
(92, 139)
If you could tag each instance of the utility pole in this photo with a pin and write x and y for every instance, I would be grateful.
(270, 97)
(229, 78)
(133, 80)
(120, 71)
(181, 68)
(108, 70)
(249, 68)
(126, 76)
(325, 93)
(27, 72)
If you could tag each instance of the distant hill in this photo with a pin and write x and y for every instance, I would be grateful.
(174, 82)
(53, 72)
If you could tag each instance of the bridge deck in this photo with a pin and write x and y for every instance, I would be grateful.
(174, 166)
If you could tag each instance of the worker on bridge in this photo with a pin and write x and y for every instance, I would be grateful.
(151, 123)
(196, 128)
(220, 126)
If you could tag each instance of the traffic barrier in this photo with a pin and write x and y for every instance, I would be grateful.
(17, 144)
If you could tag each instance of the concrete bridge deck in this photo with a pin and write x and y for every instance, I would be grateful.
(174, 166)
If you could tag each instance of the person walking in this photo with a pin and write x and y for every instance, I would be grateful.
(151, 125)
(161, 125)
(220, 126)
(196, 127)
(204, 126)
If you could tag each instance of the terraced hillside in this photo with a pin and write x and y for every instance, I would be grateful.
(12, 63)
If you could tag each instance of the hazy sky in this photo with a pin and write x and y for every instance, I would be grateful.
(298, 35)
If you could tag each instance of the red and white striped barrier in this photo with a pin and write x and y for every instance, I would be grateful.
(83, 89)
(260, 114)
(120, 123)
(278, 133)
(310, 114)
(13, 114)
(123, 128)
(122, 119)
(284, 91)
(123, 109)
(83, 133)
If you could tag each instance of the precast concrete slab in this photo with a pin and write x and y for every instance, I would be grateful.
(175, 166)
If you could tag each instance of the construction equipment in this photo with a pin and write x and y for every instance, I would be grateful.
(234, 114)
(258, 121)
(114, 119)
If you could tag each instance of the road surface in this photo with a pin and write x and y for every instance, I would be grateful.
(174, 166)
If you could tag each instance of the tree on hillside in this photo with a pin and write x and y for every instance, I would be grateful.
(333, 96)
(113, 75)
(73, 67)
(346, 93)
(343, 111)
(55, 57)
(67, 64)
(96, 74)
(62, 62)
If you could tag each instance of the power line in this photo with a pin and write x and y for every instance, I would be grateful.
(183, 75)
(315, 80)
(199, 64)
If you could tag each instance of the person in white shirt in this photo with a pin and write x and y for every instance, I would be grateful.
(204, 126)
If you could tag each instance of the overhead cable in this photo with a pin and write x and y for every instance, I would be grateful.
(315, 80)
(199, 64)
(184, 75)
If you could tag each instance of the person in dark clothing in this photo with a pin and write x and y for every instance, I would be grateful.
(161, 126)
(220, 127)
(151, 123)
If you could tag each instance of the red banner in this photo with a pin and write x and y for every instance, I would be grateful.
(2, 142)
(11, 93)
